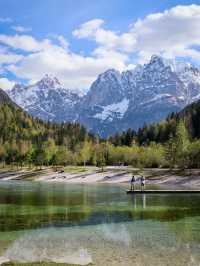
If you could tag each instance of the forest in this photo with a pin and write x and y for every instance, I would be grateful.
(27, 141)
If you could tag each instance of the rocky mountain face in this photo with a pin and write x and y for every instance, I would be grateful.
(148, 93)
(46, 99)
(116, 101)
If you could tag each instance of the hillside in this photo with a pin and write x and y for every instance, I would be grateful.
(161, 132)
(27, 140)
(5, 99)
(22, 135)
(191, 115)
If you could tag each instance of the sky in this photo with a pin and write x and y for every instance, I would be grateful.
(76, 40)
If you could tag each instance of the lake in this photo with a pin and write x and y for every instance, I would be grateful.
(97, 223)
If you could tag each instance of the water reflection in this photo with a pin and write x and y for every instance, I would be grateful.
(144, 201)
(141, 197)
(26, 206)
(29, 205)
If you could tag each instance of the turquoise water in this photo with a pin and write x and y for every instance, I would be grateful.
(97, 223)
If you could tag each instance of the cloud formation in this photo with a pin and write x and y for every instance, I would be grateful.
(25, 43)
(21, 29)
(108, 39)
(172, 33)
(6, 84)
(74, 70)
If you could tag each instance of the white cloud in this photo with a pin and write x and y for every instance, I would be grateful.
(21, 29)
(174, 32)
(107, 38)
(5, 20)
(8, 57)
(24, 42)
(88, 29)
(6, 84)
(74, 70)
(63, 42)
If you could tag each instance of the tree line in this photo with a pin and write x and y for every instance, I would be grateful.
(28, 141)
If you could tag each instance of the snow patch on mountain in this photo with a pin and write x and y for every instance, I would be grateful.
(113, 110)
(157, 98)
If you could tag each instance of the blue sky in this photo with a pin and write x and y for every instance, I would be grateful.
(77, 40)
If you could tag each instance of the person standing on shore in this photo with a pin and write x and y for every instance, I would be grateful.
(142, 183)
(133, 180)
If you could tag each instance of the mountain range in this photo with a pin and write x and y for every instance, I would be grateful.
(115, 101)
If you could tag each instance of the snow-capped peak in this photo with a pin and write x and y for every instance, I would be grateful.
(177, 66)
(46, 99)
(18, 86)
(156, 60)
(110, 74)
(116, 101)
(49, 81)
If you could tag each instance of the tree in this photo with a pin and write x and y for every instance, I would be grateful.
(2, 154)
(38, 157)
(85, 152)
(63, 156)
(182, 144)
(19, 132)
(48, 150)
(170, 151)
(154, 155)
(101, 155)
(30, 156)
(194, 154)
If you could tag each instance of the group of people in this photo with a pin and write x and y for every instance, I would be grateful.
(134, 180)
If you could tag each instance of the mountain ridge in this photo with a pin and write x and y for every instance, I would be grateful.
(5, 99)
(115, 101)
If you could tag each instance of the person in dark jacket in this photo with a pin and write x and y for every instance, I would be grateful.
(142, 183)
(133, 180)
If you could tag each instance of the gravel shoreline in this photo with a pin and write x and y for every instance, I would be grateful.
(110, 175)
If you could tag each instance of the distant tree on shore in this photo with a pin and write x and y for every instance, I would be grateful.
(182, 145)
(170, 151)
